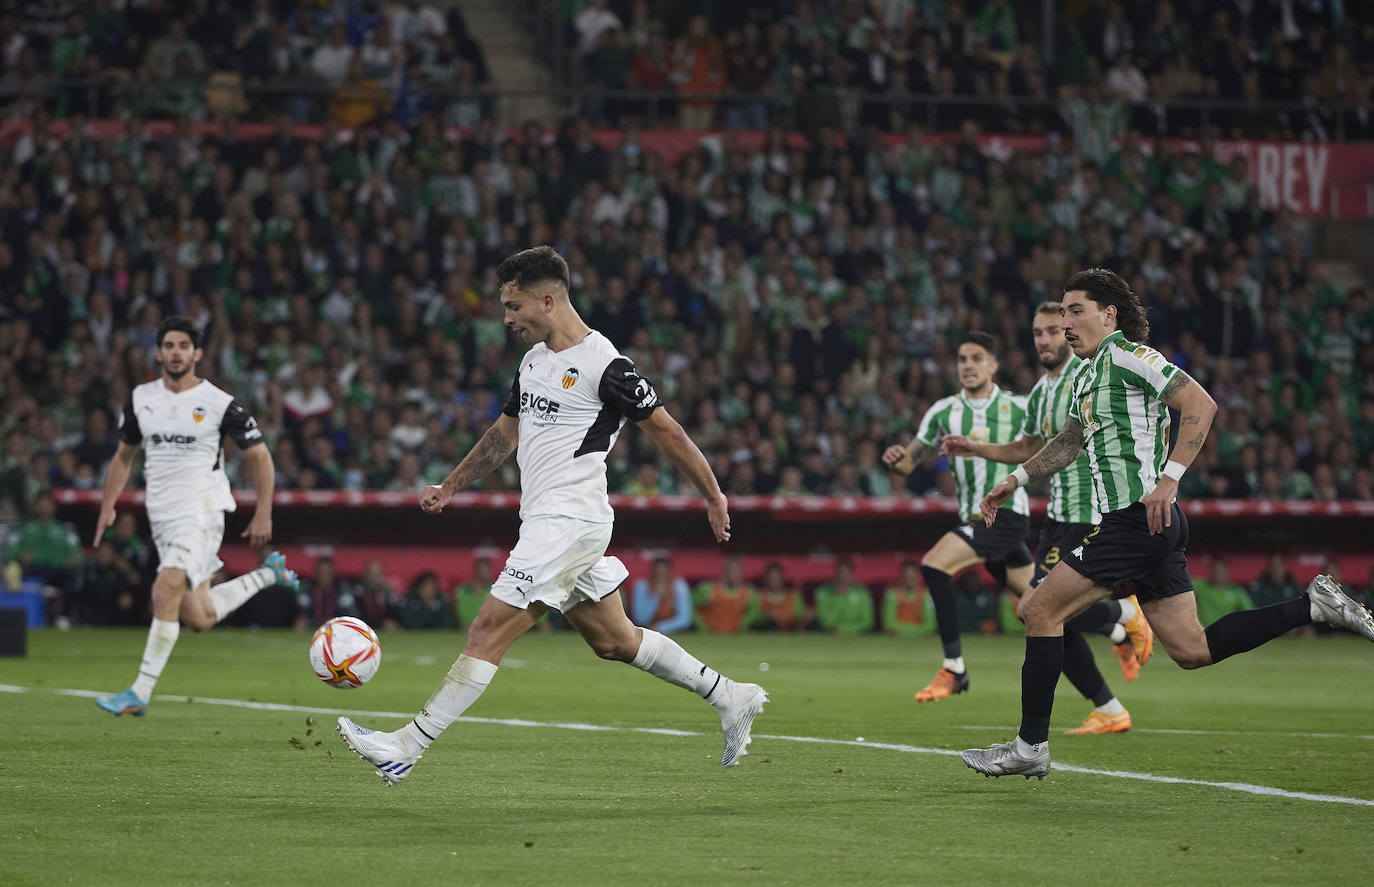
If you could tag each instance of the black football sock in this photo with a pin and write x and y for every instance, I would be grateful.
(1097, 619)
(941, 587)
(1039, 675)
(1081, 669)
(1245, 630)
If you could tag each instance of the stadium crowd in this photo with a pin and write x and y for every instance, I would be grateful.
(1117, 63)
(796, 304)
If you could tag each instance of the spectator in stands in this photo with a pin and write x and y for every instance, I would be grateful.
(663, 601)
(781, 606)
(699, 72)
(374, 600)
(48, 549)
(1275, 584)
(324, 596)
(907, 609)
(331, 60)
(592, 22)
(1217, 595)
(359, 98)
(843, 606)
(727, 605)
(108, 589)
(424, 606)
(468, 596)
(130, 546)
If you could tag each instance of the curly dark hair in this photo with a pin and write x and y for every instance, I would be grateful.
(1107, 288)
(539, 264)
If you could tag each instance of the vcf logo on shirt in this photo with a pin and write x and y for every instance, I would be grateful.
(544, 410)
(570, 377)
(198, 415)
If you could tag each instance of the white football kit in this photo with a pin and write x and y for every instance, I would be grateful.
(571, 405)
(183, 465)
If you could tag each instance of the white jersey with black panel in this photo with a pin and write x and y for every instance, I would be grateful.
(182, 434)
(571, 405)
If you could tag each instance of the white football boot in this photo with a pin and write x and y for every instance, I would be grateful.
(391, 754)
(739, 706)
(1338, 609)
(1007, 759)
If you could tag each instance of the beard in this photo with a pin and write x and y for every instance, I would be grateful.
(177, 375)
(1061, 355)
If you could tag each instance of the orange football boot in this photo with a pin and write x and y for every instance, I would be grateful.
(945, 683)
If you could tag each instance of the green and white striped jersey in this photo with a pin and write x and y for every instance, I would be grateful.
(1047, 409)
(995, 419)
(1125, 424)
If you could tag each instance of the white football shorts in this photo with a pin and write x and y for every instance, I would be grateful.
(559, 562)
(190, 544)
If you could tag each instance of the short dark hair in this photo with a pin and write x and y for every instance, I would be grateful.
(178, 323)
(1055, 308)
(982, 340)
(1108, 288)
(539, 264)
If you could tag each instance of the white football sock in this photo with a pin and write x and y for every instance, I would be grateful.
(1127, 611)
(1118, 634)
(229, 596)
(1025, 749)
(955, 665)
(162, 637)
(664, 658)
(1112, 706)
(458, 690)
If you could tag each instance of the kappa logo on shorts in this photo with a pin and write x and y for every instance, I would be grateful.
(1078, 552)
(966, 530)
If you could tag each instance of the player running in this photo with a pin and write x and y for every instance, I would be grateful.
(181, 420)
(1068, 519)
(1120, 414)
(572, 395)
(983, 412)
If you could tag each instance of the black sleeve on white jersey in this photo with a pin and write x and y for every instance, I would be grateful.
(625, 390)
(512, 407)
(129, 432)
(241, 426)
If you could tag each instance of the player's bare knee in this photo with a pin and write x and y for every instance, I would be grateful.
(1191, 659)
(613, 647)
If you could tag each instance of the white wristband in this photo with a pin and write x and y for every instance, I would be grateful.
(1022, 479)
(1174, 469)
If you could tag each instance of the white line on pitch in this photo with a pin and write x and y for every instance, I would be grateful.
(1243, 787)
(1172, 732)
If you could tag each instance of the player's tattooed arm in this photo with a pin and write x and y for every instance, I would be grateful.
(486, 455)
(1058, 454)
(1196, 409)
(904, 459)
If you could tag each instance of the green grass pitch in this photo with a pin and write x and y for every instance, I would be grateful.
(200, 792)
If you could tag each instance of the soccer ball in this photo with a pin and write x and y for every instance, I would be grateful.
(345, 652)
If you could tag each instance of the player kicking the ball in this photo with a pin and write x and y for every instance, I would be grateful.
(571, 396)
(1120, 415)
(180, 421)
(1068, 519)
